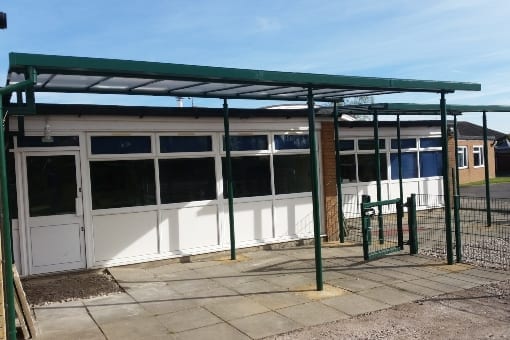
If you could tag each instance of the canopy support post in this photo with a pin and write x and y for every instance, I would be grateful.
(340, 207)
(399, 155)
(486, 164)
(315, 191)
(378, 175)
(456, 139)
(446, 180)
(230, 184)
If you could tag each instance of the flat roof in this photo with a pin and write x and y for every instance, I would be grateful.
(65, 74)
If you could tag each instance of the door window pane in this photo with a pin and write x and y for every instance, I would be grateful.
(292, 174)
(409, 165)
(367, 168)
(102, 145)
(251, 176)
(348, 168)
(187, 179)
(283, 142)
(124, 183)
(51, 185)
(185, 143)
(246, 143)
(431, 163)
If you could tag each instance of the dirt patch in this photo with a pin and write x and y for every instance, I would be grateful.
(478, 313)
(41, 290)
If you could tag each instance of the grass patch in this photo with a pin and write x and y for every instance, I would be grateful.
(494, 180)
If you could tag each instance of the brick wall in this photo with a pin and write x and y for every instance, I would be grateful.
(327, 145)
(471, 173)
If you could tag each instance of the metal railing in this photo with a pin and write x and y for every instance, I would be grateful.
(476, 241)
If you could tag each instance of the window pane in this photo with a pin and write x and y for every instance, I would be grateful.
(348, 168)
(406, 143)
(431, 163)
(369, 144)
(345, 145)
(292, 174)
(367, 168)
(251, 176)
(125, 183)
(245, 143)
(36, 141)
(409, 165)
(187, 179)
(185, 143)
(101, 145)
(51, 185)
(462, 157)
(291, 142)
(430, 142)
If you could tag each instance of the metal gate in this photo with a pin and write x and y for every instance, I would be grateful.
(381, 227)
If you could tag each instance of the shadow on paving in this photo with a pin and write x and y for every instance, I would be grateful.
(263, 293)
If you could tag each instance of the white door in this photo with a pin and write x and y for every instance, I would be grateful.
(53, 210)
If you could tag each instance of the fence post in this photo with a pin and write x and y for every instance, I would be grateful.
(412, 223)
(365, 226)
(400, 231)
(458, 240)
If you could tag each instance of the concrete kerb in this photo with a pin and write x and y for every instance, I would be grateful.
(266, 293)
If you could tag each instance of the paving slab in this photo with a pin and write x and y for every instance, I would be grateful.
(130, 274)
(265, 324)
(136, 327)
(312, 313)
(390, 296)
(354, 304)
(221, 331)
(279, 300)
(355, 284)
(488, 274)
(188, 319)
(439, 286)
(413, 288)
(236, 308)
(453, 280)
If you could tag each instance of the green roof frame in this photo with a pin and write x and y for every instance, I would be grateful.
(418, 109)
(92, 75)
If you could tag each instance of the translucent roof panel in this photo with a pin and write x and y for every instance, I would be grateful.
(99, 75)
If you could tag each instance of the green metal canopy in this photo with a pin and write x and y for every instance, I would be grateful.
(113, 76)
(418, 109)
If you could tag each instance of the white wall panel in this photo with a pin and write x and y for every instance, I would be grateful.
(253, 221)
(125, 235)
(191, 227)
(293, 216)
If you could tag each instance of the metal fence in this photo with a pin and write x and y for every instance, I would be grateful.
(352, 218)
(480, 243)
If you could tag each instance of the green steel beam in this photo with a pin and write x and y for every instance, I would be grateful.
(446, 181)
(230, 184)
(315, 191)
(7, 238)
(128, 68)
(486, 164)
(378, 176)
(399, 154)
(6, 223)
(456, 141)
(340, 208)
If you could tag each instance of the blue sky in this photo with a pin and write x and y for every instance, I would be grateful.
(456, 40)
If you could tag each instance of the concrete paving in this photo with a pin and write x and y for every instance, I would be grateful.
(263, 293)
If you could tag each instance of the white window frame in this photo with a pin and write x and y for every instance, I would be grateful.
(478, 149)
(464, 151)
